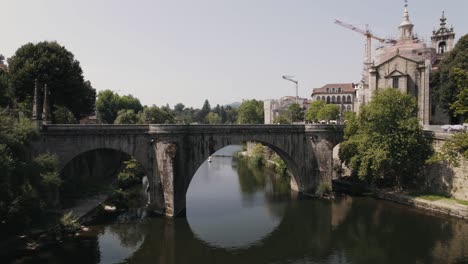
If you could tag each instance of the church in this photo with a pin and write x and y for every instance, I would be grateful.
(406, 64)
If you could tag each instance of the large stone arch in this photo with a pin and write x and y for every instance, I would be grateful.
(69, 142)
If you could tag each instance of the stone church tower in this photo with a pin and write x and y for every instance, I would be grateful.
(406, 65)
(443, 39)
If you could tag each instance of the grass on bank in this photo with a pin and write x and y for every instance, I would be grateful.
(434, 197)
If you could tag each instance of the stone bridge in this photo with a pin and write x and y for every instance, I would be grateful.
(171, 154)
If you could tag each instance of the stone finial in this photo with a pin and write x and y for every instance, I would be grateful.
(45, 107)
(35, 109)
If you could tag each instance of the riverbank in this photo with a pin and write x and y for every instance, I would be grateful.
(429, 203)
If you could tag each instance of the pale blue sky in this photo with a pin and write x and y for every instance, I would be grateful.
(223, 50)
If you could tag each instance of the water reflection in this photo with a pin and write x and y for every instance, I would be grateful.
(230, 204)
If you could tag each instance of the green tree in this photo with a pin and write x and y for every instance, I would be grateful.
(179, 108)
(282, 119)
(251, 112)
(27, 184)
(460, 106)
(231, 115)
(312, 112)
(109, 104)
(50, 63)
(329, 112)
(444, 80)
(204, 111)
(213, 119)
(127, 116)
(296, 113)
(63, 116)
(387, 146)
(156, 115)
(6, 93)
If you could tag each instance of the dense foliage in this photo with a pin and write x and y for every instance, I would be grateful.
(50, 63)
(28, 186)
(385, 144)
(109, 104)
(329, 112)
(251, 112)
(446, 83)
(312, 113)
(453, 150)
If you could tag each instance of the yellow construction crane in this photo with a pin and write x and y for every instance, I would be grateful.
(369, 37)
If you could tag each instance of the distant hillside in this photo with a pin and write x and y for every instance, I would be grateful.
(235, 104)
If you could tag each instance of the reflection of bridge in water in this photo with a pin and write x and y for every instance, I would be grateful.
(347, 230)
(171, 154)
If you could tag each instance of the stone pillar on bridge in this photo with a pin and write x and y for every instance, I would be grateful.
(323, 148)
(166, 163)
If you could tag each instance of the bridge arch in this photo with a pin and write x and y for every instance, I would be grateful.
(290, 163)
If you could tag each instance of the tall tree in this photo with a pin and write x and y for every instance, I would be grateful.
(329, 112)
(312, 112)
(296, 112)
(51, 63)
(156, 115)
(386, 144)
(251, 112)
(204, 111)
(179, 108)
(444, 80)
(213, 118)
(127, 116)
(6, 93)
(109, 104)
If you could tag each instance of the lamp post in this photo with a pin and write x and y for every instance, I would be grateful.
(290, 78)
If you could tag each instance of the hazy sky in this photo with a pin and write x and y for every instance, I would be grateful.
(221, 50)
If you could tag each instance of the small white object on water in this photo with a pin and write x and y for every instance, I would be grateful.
(209, 159)
(109, 208)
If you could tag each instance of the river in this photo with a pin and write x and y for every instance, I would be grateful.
(240, 214)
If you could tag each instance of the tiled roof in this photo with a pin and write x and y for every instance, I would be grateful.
(345, 88)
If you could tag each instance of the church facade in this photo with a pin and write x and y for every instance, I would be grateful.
(406, 64)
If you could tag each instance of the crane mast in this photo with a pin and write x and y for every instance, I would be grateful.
(369, 37)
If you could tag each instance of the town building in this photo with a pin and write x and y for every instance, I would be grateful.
(406, 64)
(342, 94)
(273, 108)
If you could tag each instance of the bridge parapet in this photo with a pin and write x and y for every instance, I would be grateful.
(94, 129)
(225, 129)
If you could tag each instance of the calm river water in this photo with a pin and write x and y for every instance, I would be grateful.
(238, 214)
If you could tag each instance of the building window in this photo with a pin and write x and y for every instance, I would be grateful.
(339, 90)
(338, 99)
(396, 82)
(344, 98)
(348, 108)
(323, 98)
(328, 90)
(349, 98)
(333, 99)
(318, 98)
(333, 90)
(328, 99)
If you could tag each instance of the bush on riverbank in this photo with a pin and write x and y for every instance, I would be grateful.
(131, 174)
(28, 185)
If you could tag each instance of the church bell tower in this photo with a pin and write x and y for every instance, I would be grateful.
(443, 39)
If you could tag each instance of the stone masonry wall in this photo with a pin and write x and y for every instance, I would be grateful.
(444, 179)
